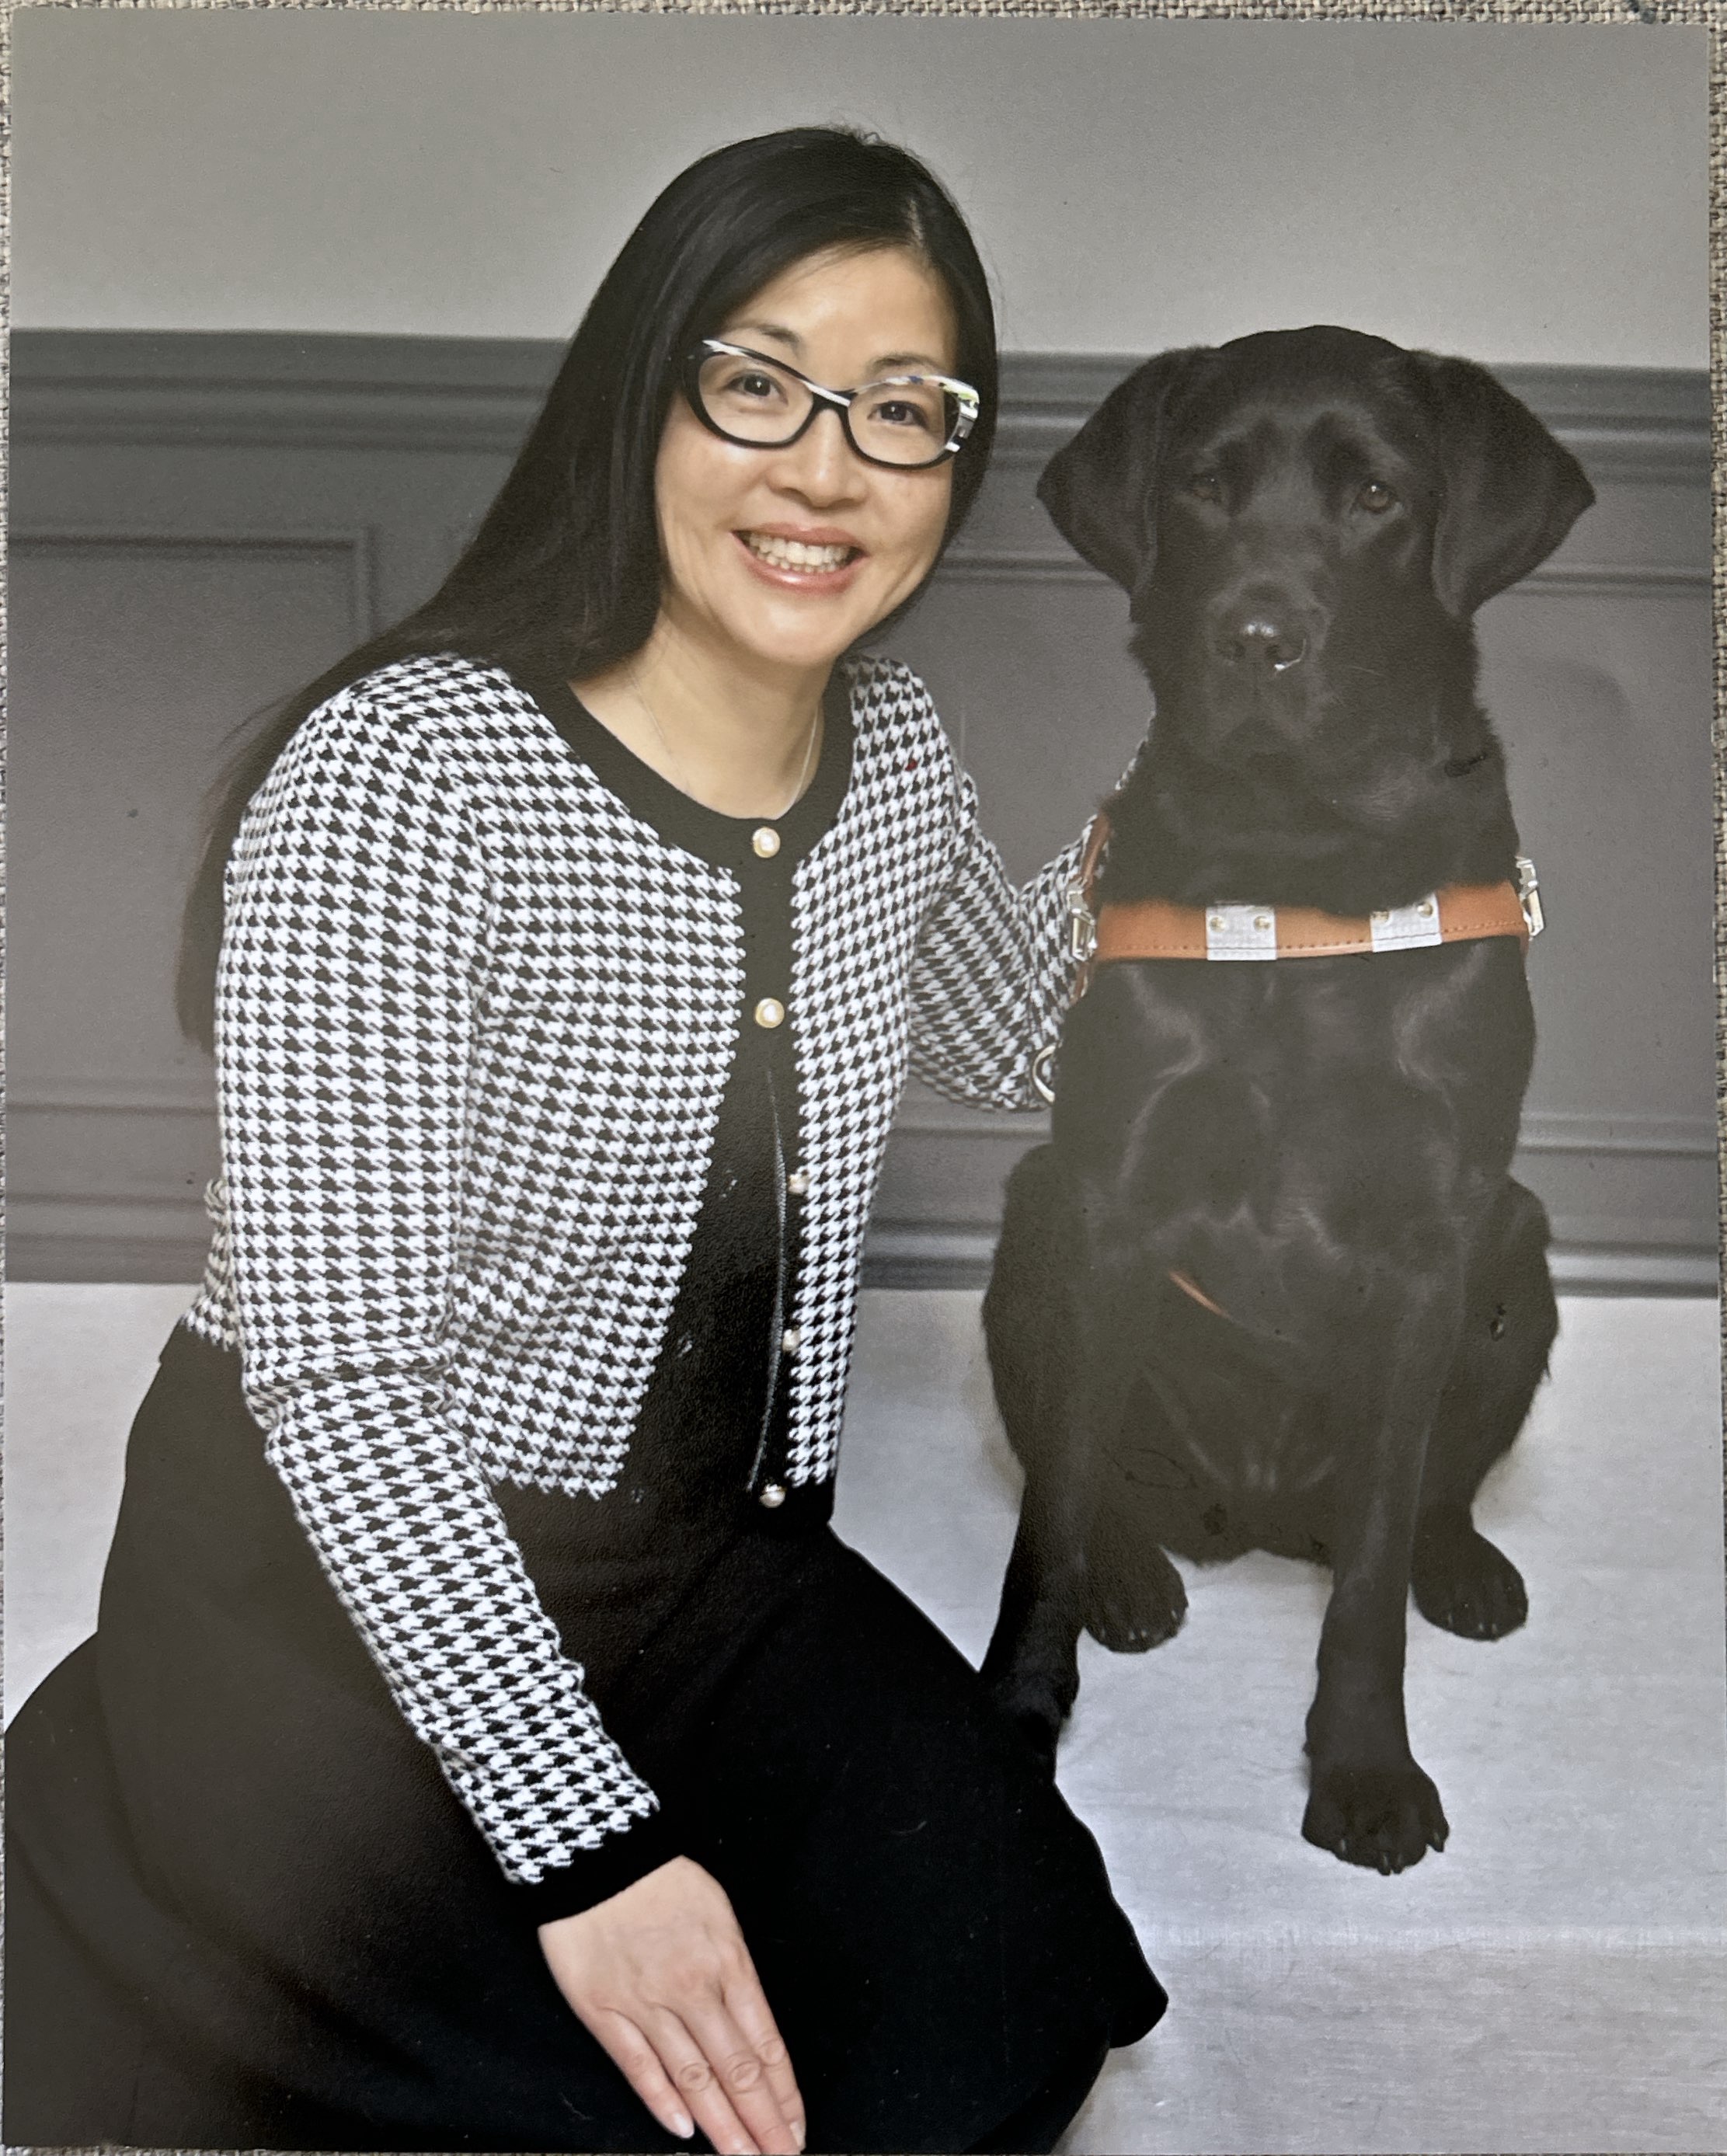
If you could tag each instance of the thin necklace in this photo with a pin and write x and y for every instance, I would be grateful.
(677, 762)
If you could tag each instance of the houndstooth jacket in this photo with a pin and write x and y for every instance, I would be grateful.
(474, 1019)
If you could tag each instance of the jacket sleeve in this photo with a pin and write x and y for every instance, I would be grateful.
(993, 975)
(356, 933)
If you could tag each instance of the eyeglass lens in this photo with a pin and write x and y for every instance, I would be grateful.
(752, 400)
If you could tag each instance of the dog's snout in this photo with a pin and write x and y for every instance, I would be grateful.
(1261, 638)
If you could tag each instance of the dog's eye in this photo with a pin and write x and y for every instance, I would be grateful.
(1375, 497)
(1206, 486)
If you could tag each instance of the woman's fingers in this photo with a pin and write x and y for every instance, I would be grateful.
(721, 2089)
(660, 1974)
(750, 2080)
(641, 2065)
(749, 2008)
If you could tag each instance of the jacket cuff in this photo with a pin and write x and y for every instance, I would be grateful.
(597, 1874)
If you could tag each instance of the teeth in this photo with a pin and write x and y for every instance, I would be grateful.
(794, 554)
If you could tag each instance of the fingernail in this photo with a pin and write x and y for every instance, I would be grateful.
(683, 2125)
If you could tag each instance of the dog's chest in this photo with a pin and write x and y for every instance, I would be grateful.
(1271, 1130)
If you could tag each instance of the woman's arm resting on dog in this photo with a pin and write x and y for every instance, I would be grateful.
(995, 967)
(660, 1976)
(994, 974)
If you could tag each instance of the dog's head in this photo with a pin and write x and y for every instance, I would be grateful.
(1306, 520)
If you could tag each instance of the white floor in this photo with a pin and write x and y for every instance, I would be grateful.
(1556, 1980)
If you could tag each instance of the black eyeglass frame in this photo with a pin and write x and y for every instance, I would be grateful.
(965, 398)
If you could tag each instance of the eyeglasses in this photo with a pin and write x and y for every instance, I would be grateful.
(909, 421)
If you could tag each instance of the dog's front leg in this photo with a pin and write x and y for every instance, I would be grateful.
(1083, 1385)
(1369, 1802)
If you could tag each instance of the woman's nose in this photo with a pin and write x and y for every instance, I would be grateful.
(821, 464)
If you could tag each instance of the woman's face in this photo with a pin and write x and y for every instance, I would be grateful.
(726, 511)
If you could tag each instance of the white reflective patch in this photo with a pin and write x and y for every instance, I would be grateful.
(1407, 927)
(1241, 932)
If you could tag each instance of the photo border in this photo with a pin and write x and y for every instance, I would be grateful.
(1627, 15)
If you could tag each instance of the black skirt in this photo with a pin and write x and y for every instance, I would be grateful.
(245, 1909)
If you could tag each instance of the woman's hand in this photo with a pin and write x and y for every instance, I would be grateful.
(660, 1975)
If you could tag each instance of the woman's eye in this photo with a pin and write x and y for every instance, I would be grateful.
(1375, 497)
(759, 386)
(898, 412)
(1206, 486)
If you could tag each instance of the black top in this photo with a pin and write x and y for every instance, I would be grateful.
(709, 1440)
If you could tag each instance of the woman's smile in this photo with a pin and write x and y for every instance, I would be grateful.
(818, 558)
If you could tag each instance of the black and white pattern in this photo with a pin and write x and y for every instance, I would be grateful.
(474, 1020)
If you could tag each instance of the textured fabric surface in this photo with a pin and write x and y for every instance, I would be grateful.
(1703, 11)
(474, 1019)
(1556, 1980)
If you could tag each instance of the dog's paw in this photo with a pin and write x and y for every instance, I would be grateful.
(1132, 1612)
(1465, 1585)
(1384, 1817)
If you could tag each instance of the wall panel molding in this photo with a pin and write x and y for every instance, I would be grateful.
(72, 1096)
(1687, 1138)
(918, 1257)
(1629, 1250)
(358, 543)
(242, 388)
(64, 1235)
(1570, 579)
(275, 448)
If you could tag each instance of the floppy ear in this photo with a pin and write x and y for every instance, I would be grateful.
(1099, 489)
(1512, 492)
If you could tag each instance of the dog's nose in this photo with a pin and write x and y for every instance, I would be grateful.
(1260, 640)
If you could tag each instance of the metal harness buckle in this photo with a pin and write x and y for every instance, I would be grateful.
(1529, 896)
(1082, 924)
(1082, 942)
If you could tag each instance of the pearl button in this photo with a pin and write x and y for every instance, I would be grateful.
(1426, 909)
(767, 842)
(798, 1182)
(1381, 914)
(790, 1339)
(1262, 921)
(773, 1496)
(770, 1012)
(1215, 922)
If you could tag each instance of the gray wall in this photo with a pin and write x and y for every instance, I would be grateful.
(200, 522)
(1519, 194)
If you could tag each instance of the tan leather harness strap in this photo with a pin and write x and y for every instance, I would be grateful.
(1160, 928)
(1155, 928)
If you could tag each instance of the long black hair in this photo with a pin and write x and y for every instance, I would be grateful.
(563, 575)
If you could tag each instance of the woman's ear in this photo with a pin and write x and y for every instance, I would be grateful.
(1101, 489)
(1512, 492)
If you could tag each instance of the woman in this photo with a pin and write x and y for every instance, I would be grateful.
(486, 1743)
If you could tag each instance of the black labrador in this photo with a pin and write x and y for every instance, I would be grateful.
(1272, 1285)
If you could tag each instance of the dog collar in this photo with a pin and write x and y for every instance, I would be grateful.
(1160, 928)
(1153, 928)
